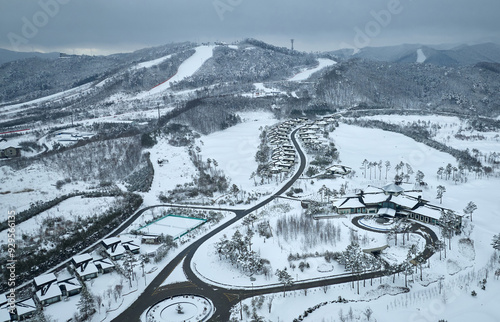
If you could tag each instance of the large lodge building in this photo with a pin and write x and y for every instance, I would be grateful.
(390, 201)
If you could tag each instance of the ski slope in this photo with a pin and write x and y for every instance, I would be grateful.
(323, 62)
(186, 69)
(420, 56)
(151, 63)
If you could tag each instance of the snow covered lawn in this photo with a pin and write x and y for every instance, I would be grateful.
(172, 225)
(234, 149)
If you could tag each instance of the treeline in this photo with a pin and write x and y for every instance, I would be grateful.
(142, 178)
(309, 232)
(464, 90)
(109, 160)
(210, 115)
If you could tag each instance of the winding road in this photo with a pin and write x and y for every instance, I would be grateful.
(224, 298)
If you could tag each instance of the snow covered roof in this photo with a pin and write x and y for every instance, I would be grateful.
(387, 212)
(110, 241)
(392, 188)
(107, 263)
(7, 144)
(4, 314)
(372, 189)
(374, 198)
(352, 202)
(429, 212)
(25, 306)
(44, 279)
(88, 269)
(119, 250)
(404, 201)
(79, 259)
(70, 284)
(52, 291)
(131, 246)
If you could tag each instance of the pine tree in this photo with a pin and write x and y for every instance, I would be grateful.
(440, 191)
(496, 242)
(471, 207)
(284, 278)
(419, 177)
(86, 305)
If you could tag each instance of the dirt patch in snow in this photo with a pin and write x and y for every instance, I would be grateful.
(452, 267)
(466, 248)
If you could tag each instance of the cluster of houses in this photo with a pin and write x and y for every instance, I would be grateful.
(390, 201)
(283, 155)
(49, 288)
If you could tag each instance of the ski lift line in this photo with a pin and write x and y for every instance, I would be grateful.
(14, 131)
(166, 80)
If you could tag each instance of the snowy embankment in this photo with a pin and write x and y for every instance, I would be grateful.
(323, 62)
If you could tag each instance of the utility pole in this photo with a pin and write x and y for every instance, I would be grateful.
(241, 309)
(292, 40)
(158, 106)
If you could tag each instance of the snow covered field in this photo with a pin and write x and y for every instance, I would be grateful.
(172, 225)
(34, 183)
(445, 128)
(235, 148)
(71, 209)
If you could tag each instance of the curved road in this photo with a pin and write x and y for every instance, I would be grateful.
(222, 298)
(153, 293)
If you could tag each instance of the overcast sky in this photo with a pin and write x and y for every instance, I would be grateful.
(108, 26)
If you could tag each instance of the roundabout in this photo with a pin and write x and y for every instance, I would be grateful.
(181, 308)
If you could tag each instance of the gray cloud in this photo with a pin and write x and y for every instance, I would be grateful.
(123, 25)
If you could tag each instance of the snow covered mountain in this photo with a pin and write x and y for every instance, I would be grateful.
(460, 80)
(456, 56)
